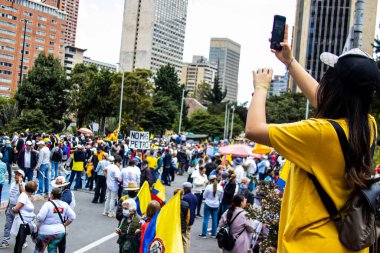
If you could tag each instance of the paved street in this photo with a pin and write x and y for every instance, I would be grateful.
(92, 232)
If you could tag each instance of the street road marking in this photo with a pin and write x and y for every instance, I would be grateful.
(96, 243)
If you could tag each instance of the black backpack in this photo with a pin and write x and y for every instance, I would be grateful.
(225, 238)
(57, 155)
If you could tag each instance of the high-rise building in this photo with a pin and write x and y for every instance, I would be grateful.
(87, 61)
(324, 26)
(70, 7)
(193, 74)
(153, 34)
(27, 28)
(278, 85)
(225, 53)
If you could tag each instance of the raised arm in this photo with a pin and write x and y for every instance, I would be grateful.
(304, 80)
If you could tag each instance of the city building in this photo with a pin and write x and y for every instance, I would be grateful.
(225, 53)
(87, 61)
(70, 7)
(324, 26)
(74, 55)
(153, 34)
(197, 72)
(278, 86)
(27, 28)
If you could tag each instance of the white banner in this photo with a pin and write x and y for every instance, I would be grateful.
(139, 140)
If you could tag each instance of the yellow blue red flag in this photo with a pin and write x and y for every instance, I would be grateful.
(158, 192)
(143, 198)
(163, 233)
(281, 182)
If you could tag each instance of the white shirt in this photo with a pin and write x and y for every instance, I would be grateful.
(27, 159)
(48, 216)
(251, 164)
(113, 172)
(199, 183)
(43, 156)
(130, 174)
(211, 200)
(27, 211)
(14, 193)
(239, 171)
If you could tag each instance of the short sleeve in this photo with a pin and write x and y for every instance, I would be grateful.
(23, 198)
(297, 141)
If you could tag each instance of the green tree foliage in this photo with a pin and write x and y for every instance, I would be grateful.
(46, 88)
(289, 107)
(137, 99)
(8, 111)
(34, 119)
(215, 95)
(202, 89)
(166, 82)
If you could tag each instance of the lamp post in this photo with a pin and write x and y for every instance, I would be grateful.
(232, 121)
(121, 93)
(225, 122)
(180, 115)
(23, 49)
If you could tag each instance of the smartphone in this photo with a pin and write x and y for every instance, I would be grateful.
(278, 32)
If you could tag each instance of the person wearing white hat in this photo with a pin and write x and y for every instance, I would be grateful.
(27, 160)
(331, 151)
(67, 195)
(42, 167)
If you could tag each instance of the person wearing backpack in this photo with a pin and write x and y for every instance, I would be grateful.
(240, 228)
(343, 101)
(56, 155)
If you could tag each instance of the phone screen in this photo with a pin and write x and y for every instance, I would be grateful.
(278, 32)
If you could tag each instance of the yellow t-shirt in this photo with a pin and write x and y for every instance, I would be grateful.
(152, 162)
(311, 146)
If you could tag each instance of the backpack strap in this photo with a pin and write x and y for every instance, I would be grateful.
(326, 200)
(229, 223)
(59, 213)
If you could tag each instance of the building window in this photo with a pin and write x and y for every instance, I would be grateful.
(52, 36)
(51, 43)
(7, 24)
(6, 56)
(8, 8)
(39, 48)
(6, 64)
(25, 60)
(8, 16)
(25, 52)
(40, 33)
(40, 40)
(41, 25)
(6, 40)
(27, 13)
(29, 30)
(42, 18)
(6, 48)
(5, 80)
(53, 29)
(7, 32)
(53, 21)
(23, 67)
(5, 72)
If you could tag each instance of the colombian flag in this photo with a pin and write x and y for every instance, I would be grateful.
(158, 192)
(143, 198)
(281, 182)
(163, 233)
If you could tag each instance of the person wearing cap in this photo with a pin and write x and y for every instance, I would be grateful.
(101, 185)
(131, 192)
(17, 187)
(190, 198)
(79, 159)
(42, 167)
(239, 170)
(8, 157)
(56, 155)
(112, 174)
(166, 165)
(344, 95)
(27, 160)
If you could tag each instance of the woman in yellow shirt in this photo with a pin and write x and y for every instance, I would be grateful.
(312, 146)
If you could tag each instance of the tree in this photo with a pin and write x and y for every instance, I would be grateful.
(166, 82)
(137, 99)
(34, 119)
(201, 90)
(46, 88)
(289, 107)
(215, 95)
(8, 111)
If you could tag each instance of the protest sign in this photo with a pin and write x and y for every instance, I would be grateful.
(139, 140)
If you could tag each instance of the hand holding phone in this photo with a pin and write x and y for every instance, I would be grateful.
(278, 32)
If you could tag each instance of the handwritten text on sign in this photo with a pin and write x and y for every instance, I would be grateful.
(139, 140)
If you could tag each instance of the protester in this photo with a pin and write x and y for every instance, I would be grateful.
(55, 215)
(199, 185)
(244, 190)
(146, 174)
(343, 95)
(131, 193)
(212, 196)
(112, 174)
(42, 167)
(152, 209)
(25, 210)
(67, 195)
(159, 165)
(190, 198)
(27, 160)
(101, 184)
(228, 191)
(8, 157)
(242, 227)
(129, 228)
(185, 218)
(78, 163)
(3, 169)
(130, 174)
(166, 164)
(239, 170)
(56, 155)
(15, 190)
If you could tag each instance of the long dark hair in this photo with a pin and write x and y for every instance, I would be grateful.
(336, 100)
(236, 202)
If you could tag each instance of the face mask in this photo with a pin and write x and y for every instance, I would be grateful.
(243, 187)
(126, 213)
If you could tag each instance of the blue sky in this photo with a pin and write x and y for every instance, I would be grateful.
(248, 22)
